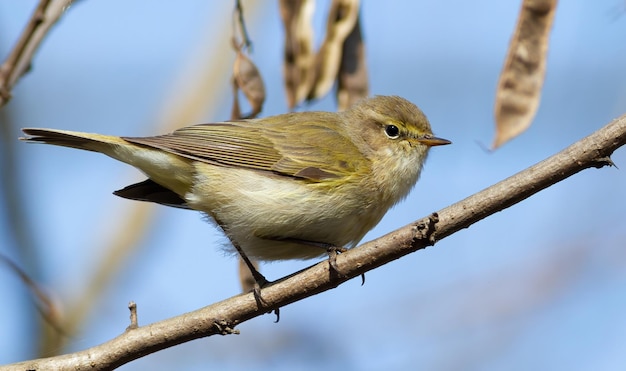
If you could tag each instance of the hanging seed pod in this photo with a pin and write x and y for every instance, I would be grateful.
(341, 19)
(352, 81)
(519, 89)
(248, 78)
(298, 58)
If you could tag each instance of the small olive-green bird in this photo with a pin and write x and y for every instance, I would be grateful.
(280, 187)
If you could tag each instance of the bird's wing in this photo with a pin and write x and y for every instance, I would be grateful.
(273, 147)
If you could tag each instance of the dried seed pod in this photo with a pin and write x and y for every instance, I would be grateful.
(352, 81)
(248, 78)
(521, 80)
(341, 19)
(298, 60)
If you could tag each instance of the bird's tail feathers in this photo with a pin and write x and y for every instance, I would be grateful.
(73, 139)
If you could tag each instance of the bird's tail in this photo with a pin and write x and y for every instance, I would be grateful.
(168, 170)
(73, 139)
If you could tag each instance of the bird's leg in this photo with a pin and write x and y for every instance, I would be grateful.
(259, 279)
(245, 276)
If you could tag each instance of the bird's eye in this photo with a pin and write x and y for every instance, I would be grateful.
(392, 131)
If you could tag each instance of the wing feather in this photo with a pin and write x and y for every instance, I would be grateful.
(267, 145)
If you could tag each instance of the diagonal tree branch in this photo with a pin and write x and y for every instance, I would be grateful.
(221, 318)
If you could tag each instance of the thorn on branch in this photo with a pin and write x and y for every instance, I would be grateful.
(132, 306)
(225, 327)
(604, 161)
(425, 230)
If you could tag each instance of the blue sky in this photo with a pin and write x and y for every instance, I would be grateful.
(539, 285)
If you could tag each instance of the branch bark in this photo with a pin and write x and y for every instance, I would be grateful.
(221, 318)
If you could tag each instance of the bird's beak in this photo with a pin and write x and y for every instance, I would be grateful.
(429, 140)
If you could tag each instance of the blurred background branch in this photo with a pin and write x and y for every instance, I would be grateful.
(16, 65)
(19, 61)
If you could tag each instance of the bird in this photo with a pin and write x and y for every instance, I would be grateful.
(281, 187)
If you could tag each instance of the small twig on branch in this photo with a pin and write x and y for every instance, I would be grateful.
(220, 318)
(19, 60)
(134, 323)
